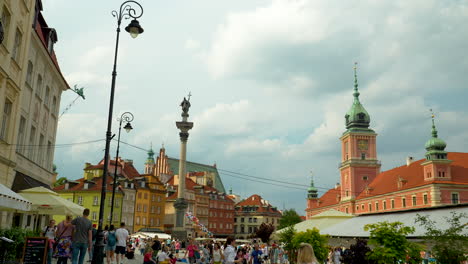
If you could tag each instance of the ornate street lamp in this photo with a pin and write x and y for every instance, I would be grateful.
(125, 117)
(127, 10)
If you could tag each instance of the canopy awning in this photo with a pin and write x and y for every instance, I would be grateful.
(11, 201)
(45, 201)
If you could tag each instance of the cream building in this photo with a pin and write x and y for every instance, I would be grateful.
(31, 85)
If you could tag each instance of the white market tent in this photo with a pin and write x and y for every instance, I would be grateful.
(354, 227)
(320, 221)
(151, 235)
(45, 201)
(11, 201)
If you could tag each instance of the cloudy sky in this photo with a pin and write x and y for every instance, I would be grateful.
(271, 82)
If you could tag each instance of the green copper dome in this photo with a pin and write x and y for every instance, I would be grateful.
(150, 159)
(357, 116)
(312, 190)
(435, 143)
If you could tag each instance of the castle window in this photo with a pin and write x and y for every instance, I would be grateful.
(364, 178)
(425, 199)
(363, 156)
(384, 204)
(347, 193)
(377, 206)
(362, 207)
(455, 198)
(370, 207)
(347, 210)
(393, 204)
(414, 200)
(357, 208)
(403, 202)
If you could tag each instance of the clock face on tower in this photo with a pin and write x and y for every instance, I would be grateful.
(363, 144)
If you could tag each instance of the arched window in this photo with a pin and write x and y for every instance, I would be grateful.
(29, 73)
(39, 86)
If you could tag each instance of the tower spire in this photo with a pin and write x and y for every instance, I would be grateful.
(312, 190)
(434, 130)
(356, 91)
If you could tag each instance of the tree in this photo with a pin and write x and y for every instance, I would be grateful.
(357, 253)
(390, 243)
(264, 232)
(60, 181)
(290, 217)
(286, 237)
(313, 237)
(450, 244)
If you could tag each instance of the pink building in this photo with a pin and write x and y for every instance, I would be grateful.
(440, 178)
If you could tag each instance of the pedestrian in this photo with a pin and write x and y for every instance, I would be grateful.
(148, 258)
(162, 256)
(337, 256)
(64, 240)
(191, 249)
(256, 255)
(122, 236)
(142, 246)
(94, 234)
(230, 252)
(49, 232)
(111, 244)
(156, 246)
(206, 259)
(82, 237)
(177, 246)
(217, 254)
(305, 254)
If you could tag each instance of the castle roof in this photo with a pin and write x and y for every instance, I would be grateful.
(261, 205)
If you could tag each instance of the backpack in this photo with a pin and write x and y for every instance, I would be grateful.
(111, 239)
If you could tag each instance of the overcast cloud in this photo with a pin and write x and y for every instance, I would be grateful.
(271, 82)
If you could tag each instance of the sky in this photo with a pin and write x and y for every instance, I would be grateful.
(270, 81)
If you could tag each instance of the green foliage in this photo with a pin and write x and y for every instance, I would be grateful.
(286, 238)
(390, 243)
(18, 235)
(357, 253)
(450, 244)
(264, 232)
(313, 237)
(290, 217)
(60, 181)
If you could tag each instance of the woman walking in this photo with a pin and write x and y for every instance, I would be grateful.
(305, 254)
(49, 232)
(64, 236)
(111, 240)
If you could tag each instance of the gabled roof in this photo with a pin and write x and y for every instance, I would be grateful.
(256, 201)
(128, 169)
(330, 197)
(197, 167)
(94, 185)
(413, 176)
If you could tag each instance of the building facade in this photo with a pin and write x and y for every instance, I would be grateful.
(441, 178)
(31, 85)
(150, 203)
(250, 213)
(221, 213)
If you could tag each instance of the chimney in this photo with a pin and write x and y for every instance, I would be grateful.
(87, 164)
(409, 160)
(337, 185)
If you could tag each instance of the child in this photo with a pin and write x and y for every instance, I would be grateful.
(172, 259)
(148, 258)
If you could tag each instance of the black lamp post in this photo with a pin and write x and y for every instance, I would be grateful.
(127, 10)
(125, 117)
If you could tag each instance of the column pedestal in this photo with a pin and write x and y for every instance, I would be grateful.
(179, 231)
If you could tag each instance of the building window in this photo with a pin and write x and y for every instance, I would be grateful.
(39, 86)
(47, 95)
(362, 207)
(94, 216)
(145, 196)
(117, 203)
(32, 139)
(455, 198)
(54, 105)
(250, 220)
(21, 135)
(347, 210)
(80, 200)
(393, 204)
(152, 209)
(137, 220)
(153, 197)
(414, 200)
(357, 208)
(365, 178)
(110, 202)
(145, 207)
(6, 119)
(370, 207)
(377, 206)
(242, 220)
(138, 208)
(242, 229)
(158, 222)
(29, 74)
(6, 17)
(95, 200)
(384, 204)
(15, 54)
(159, 198)
(40, 160)
(158, 210)
(403, 202)
(254, 220)
(425, 199)
(49, 156)
(139, 195)
(363, 156)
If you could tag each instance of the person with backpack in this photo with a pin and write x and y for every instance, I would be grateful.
(110, 246)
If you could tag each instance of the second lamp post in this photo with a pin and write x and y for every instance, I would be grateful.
(125, 117)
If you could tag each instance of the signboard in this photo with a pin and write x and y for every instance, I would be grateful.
(35, 250)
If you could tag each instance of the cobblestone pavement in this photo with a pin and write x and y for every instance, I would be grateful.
(137, 260)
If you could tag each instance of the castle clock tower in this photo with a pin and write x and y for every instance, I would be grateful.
(359, 165)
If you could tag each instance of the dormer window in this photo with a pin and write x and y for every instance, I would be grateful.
(363, 156)
(86, 185)
(361, 116)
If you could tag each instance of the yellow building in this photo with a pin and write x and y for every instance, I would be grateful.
(150, 203)
(31, 85)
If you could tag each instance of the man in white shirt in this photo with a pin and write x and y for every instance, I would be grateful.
(122, 236)
(230, 252)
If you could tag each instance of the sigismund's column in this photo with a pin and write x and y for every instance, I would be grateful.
(181, 204)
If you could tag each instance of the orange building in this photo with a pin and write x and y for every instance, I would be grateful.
(149, 203)
(438, 179)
